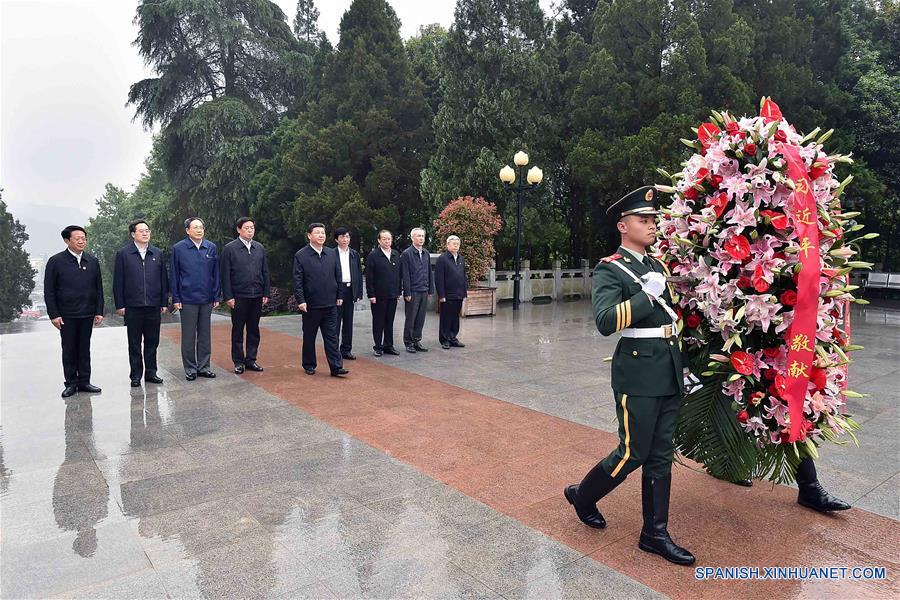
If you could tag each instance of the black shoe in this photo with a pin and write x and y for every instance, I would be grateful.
(348, 356)
(411, 349)
(591, 518)
(743, 482)
(69, 391)
(135, 383)
(191, 376)
(392, 351)
(445, 345)
(207, 374)
(254, 367)
(654, 534)
(153, 379)
(339, 372)
(309, 371)
(90, 389)
(813, 495)
(378, 352)
(419, 347)
(238, 369)
(457, 344)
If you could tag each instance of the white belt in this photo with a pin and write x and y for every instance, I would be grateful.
(666, 331)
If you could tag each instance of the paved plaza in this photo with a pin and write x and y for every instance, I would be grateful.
(429, 475)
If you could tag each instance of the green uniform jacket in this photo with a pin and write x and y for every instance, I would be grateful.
(640, 366)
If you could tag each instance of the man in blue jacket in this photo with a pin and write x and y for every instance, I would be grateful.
(418, 284)
(73, 292)
(245, 288)
(317, 280)
(141, 294)
(450, 281)
(351, 290)
(195, 292)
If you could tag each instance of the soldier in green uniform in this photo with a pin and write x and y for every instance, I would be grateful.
(630, 297)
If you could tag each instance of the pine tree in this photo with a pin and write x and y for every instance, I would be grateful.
(16, 274)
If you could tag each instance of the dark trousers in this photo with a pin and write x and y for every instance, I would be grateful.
(325, 319)
(448, 327)
(345, 319)
(383, 312)
(196, 343)
(76, 349)
(646, 432)
(416, 308)
(245, 314)
(142, 324)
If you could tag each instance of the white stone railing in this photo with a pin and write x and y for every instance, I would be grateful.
(556, 283)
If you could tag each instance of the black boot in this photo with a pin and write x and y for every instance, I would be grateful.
(655, 535)
(812, 494)
(585, 495)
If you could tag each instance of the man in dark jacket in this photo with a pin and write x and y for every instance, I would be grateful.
(141, 293)
(73, 292)
(383, 289)
(418, 284)
(317, 279)
(351, 290)
(245, 288)
(195, 292)
(450, 281)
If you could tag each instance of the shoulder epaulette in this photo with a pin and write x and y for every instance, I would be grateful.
(612, 257)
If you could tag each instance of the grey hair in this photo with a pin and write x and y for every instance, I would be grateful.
(415, 229)
(453, 237)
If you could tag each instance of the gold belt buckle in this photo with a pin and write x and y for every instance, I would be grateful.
(667, 331)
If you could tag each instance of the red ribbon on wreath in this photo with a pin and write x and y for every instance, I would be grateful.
(801, 337)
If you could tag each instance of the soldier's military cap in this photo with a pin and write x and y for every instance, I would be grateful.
(638, 202)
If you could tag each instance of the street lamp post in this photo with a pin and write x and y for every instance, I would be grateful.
(533, 178)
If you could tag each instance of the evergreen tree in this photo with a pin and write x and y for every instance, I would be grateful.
(16, 274)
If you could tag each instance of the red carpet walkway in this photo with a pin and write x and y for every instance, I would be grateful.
(517, 461)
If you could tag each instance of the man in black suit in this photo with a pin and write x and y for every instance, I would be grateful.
(351, 290)
(383, 289)
(317, 279)
(418, 284)
(245, 288)
(73, 292)
(141, 293)
(450, 281)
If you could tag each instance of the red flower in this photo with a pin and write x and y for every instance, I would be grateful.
(780, 385)
(829, 272)
(742, 362)
(780, 136)
(818, 168)
(749, 150)
(691, 193)
(738, 247)
(756, 398)
(788, 298)
(808, 425)
(770, 111)
(743, 416)
(779, 219)
(692, 320)
(759, 282)
(838, 336)
(732, 128)
(701, 174)
(771, 352)
(818, 378)
(707, 133)
(770, 374)
(718, 202)
(743, 282)
(715, 180)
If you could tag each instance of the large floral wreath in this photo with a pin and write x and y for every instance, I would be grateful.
(757, 241)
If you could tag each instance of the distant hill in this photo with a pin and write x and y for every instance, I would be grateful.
(43, 222)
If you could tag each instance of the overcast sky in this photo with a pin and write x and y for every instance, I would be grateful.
(65, 70)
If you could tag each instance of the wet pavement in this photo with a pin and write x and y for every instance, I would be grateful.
(437, 476)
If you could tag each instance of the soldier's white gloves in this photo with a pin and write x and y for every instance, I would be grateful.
(654, 284)
(691, 383)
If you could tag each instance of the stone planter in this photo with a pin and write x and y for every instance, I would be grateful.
(480, 301)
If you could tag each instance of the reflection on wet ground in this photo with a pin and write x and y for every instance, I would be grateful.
(224, 488)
